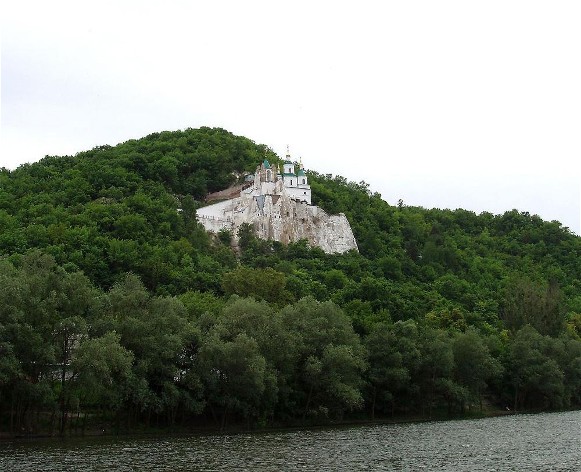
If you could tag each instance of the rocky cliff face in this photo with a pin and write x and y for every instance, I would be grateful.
(281, 218)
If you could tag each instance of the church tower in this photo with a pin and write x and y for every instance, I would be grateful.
(289, 177)
(296, 185)
(301, 176)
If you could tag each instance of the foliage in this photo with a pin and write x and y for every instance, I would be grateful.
(114, 302)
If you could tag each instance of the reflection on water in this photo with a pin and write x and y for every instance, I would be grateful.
(547, 442)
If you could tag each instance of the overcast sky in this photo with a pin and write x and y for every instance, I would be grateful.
(447, 104)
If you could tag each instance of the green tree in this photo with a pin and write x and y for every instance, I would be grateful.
(388, 374)
(263, 284)
(437, 364)
(473, 364)
(324, 334)
(535, 378)
(537, 304)
(101, 368)
(233, 375)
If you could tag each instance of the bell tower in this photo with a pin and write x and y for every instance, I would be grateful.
(289, 177)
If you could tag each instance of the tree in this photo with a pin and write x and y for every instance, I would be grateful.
(263, 284)
(473, 364)
(323, 334)
(101, 368)
(535, 378)
(68, 333)
(258, 321)
(42, 322)
(393, 357)
(437, 363)
(537, 304)
(233, 375)
(387, 373)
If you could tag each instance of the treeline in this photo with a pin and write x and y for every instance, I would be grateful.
(76, 357)
(131, 207)
(102, 252)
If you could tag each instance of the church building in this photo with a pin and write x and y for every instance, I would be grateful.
(278, 206)
(270, 181)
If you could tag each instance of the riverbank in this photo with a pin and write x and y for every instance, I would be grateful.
(208, 428)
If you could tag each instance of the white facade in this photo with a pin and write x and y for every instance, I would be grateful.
(289, 177)
(267, 181)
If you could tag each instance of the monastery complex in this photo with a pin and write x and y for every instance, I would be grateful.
(278, 205)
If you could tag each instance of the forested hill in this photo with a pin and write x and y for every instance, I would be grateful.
(106, 275)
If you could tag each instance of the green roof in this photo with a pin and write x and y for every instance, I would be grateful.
(301, 173)
(288, 162)
(266, 164)
(288, 175)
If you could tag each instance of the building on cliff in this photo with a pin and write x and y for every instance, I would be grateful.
(278, 206)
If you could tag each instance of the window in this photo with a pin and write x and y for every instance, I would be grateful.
(304, 181)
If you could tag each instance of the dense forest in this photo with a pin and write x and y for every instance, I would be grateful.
(118, 311)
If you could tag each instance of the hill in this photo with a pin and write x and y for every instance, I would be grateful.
(107, 279)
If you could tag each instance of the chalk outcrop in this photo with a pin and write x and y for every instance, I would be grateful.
(278, 206)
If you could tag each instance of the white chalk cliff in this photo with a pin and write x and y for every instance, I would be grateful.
(278, 206)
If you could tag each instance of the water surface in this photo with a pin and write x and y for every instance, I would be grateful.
(543, 442)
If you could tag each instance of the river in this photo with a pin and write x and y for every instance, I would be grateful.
(541, 442)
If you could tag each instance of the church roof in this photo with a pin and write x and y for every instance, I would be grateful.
(266, 164)
(288, 162)
(286, 174)
(301, 173)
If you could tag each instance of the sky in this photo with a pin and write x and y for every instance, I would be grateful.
(442, 104)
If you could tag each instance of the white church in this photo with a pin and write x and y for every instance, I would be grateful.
(269, 180)
(278, 205)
